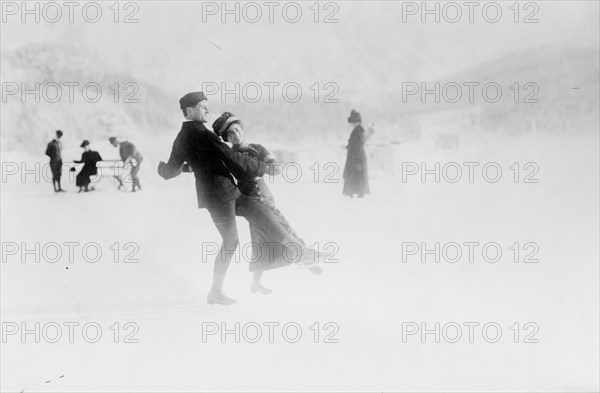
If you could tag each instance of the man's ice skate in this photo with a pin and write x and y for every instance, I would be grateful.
(258, 287)
(219, 298)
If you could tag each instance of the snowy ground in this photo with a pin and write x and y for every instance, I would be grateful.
(367, 295)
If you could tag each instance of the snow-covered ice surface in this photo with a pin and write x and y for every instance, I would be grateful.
(367, 295)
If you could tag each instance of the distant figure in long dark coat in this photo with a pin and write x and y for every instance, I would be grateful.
(89, 158)
(129, 155)
(54, 151)
(356, 181)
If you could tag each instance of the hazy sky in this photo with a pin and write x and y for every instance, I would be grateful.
(171, 43)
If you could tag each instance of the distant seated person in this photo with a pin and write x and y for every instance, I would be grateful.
(89, 158)
(129, 155)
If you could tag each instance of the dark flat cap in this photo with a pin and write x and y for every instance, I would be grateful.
(191, 99)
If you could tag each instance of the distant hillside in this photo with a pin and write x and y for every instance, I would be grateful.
(568, 80)
(568, 95)
(27, 125)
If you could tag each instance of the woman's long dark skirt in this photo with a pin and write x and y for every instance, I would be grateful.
(269, 254)
(82, 179)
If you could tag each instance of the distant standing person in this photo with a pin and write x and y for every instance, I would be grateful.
(356, 180)
(129, 155)
(89, 158)
(54, 151)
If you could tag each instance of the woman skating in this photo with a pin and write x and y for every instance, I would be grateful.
(266, 254)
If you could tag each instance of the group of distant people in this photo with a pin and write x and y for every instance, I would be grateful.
(130, 156)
